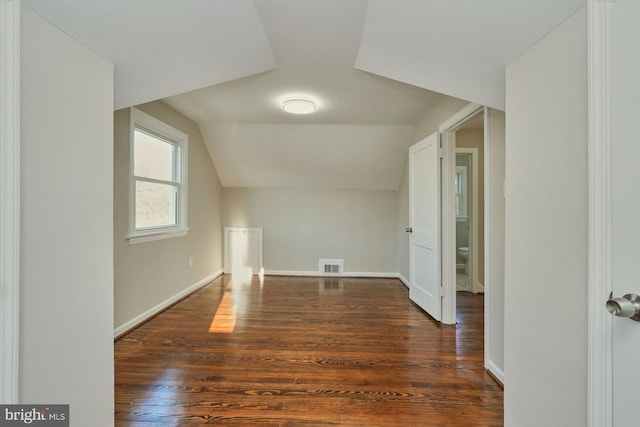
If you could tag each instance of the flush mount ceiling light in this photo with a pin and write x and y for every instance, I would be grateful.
(299, 106)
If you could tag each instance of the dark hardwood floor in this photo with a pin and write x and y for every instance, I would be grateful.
(305, 352)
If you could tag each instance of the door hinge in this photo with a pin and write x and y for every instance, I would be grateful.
(441, 153)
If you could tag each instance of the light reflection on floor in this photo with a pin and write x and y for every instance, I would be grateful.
(224, 320)
(226, 315)
(330, 286)
(162, 397)
(464, 331)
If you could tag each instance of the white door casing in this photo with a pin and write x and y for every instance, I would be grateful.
(599, 381)
(424, 219)
(10, 197)
(614, 343)
(625, 203)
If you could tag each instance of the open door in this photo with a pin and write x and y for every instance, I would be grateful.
(424, 219)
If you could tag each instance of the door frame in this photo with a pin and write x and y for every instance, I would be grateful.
(448, 141)
(474, 237)
(10, 196)
(600, 324)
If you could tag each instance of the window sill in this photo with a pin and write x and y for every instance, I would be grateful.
(135, 239)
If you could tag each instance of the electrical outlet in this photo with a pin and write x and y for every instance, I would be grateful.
(190, 261)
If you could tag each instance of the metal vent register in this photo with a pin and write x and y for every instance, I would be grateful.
(331, 266)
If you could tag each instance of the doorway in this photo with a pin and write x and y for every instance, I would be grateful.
(469, 205)
(469, 126)
(491, 216)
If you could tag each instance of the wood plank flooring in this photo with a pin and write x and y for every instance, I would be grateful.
(305, 352)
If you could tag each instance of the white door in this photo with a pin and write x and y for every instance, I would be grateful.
(625, 203)
(424, 223)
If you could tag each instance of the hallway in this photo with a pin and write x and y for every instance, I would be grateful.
(305, 351)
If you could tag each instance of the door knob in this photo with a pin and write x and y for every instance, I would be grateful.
(409, 229)
(627, 306)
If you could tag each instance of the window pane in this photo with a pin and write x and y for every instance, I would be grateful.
(153, 157)
(155, 205)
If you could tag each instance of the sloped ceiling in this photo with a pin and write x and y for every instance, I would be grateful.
(376, 67)
(165, 47)
(457, 47)
(357, 140)
(309, 156)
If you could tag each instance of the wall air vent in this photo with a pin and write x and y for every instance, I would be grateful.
(331, 267)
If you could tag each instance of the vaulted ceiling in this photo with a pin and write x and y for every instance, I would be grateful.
(376, 67)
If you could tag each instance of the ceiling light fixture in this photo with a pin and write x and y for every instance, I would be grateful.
(299, 106)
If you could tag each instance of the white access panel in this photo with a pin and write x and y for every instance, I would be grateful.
(243, 250)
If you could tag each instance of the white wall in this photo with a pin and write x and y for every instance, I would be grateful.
(67, 220)
(546, 231)
(151, 274)
(301, 226)
(494, 173)
(403, 223)
(436, 116)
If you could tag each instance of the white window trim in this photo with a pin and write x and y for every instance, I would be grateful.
(182, 140)
(463, 216)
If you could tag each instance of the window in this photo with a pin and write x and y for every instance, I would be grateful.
(158, 191)
(461, 192)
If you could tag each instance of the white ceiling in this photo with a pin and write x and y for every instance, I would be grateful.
(165, 47)
(457, 47)
(376, 68)
(309, 155)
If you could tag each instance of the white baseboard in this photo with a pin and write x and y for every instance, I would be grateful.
(290, 273)
(497, 372)
(404, 280)
(380, 275)
(318, 274)
(164, 304)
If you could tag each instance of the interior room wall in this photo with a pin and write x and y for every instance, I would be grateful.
(66, 307)
(438, 115)
(546, 231)
(475, 139)
(494, 173)
(403, 223)
(302, 226)
(148, 274)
